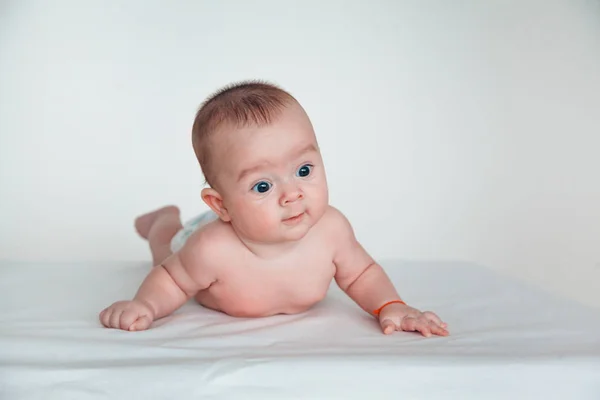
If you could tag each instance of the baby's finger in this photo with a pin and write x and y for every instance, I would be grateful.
(433, 317)
(420, 324)
(141, 324)
(437, 329)
(387, 326)
(408, 324)
(115, 318)
(423, 327)
(105, 317)
(127, 318)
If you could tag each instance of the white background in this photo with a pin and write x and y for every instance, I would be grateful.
(463, 130)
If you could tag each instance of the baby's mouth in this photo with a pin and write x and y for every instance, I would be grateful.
(295, 219)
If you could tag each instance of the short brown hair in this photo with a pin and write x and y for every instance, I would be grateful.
(239, 104)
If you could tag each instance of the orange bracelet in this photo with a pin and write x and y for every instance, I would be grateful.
(376, 312)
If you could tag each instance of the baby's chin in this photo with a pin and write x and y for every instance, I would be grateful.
(296, 232)
(294, 236)
(283, 235)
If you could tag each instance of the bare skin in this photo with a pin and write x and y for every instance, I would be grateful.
(276, 246)
(244, 285)
(159, 227)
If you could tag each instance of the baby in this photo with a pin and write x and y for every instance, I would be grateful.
(271, 243)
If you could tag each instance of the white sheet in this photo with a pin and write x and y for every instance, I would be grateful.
(507, 341)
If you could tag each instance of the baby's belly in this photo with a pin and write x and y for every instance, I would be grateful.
(252, 298)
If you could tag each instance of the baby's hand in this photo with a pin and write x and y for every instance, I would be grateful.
(400, 317)
(127, 315)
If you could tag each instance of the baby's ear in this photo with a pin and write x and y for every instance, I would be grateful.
(214, 200)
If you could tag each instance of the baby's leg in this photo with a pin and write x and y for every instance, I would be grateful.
(159, 227)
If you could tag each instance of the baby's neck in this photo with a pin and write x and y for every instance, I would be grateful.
(269, 251)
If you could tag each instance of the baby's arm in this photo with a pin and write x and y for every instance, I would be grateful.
(357, 273)
(167, 287)
(365, 281)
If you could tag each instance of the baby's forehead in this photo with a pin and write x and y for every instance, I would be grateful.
(284, 132)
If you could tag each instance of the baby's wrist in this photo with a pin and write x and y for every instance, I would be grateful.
(149, 306)
(386, 304)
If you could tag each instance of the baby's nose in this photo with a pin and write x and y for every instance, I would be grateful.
(290, 194)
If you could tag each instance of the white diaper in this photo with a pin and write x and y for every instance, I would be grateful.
(190, 227)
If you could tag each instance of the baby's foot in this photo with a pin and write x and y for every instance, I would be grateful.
(144, 223)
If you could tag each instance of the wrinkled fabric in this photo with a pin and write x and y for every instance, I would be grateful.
(508, 340)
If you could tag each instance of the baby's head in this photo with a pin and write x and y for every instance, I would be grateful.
(259, 154)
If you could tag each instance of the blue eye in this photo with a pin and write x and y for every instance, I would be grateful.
(262, 187)
(304, 170)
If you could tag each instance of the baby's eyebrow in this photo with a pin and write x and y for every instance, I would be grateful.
(253, 169)
(263, 164)
(306, 149)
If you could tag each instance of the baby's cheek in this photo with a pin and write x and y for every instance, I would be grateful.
(263, 224)
(262, 220)
(318, 201)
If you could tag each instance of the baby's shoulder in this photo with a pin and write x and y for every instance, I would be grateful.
(334, 222)
(210, 243)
